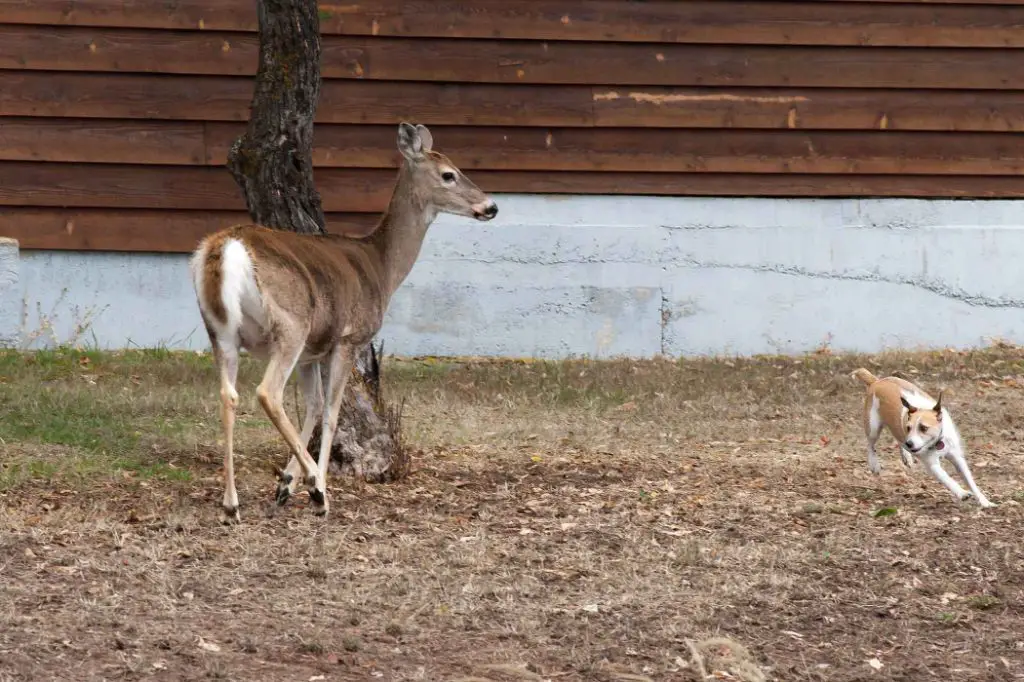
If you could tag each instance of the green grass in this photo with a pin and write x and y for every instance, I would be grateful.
(73, 412)
(84, 413)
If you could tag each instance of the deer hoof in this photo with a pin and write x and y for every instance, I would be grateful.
(318, 498)
(230, 516)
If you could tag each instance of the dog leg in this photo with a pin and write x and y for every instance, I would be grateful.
(874, 430)
(961, 465)
(935, 466)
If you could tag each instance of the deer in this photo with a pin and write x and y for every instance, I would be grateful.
(309, 303)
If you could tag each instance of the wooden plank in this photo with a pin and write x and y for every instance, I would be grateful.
(168, 231)
(368, 190)
(664, 150)
(221, 98)
(837, 109)
(753, 185)
(171, 187)
(213, 98)
(501, 61)
(102, 141)
(731, 23)
(670, 21)
(551, 149)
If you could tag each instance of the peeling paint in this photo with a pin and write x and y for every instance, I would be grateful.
(657, 99)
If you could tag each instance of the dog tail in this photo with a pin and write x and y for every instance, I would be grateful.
(865, 376)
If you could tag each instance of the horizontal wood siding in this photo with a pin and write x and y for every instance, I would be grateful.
(117, 114)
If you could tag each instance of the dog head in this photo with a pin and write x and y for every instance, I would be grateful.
(923, 426)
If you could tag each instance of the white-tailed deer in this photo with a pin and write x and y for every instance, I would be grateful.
(312, 301)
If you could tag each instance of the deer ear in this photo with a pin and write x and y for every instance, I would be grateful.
(409, 141)
(425, 137)
(910, 408)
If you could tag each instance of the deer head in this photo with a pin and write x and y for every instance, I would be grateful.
(437, 182)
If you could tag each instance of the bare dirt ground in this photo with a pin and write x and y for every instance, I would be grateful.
(563, 521)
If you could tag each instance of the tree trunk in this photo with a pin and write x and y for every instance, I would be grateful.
(273, 164)
(273, 161)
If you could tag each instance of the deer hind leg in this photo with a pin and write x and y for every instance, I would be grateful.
(226, 357)
(271, 396)
(335, 380)
(313, 398)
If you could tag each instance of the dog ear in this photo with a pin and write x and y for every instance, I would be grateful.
(938, 406)
(910, 408)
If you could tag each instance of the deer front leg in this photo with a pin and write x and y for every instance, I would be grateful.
(335, 379)
(313, 398)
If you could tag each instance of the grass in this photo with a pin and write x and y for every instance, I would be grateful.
(575, 520)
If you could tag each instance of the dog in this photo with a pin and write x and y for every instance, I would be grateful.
(922, 427)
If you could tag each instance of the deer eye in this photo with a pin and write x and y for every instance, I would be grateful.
(448, 176)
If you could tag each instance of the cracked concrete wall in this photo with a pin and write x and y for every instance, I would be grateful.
(638, 276)
(10, 293)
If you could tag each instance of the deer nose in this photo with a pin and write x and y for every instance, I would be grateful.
(487, 211)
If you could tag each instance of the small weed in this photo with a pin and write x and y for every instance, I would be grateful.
(351, 643)
(983, 602)
(311, 646)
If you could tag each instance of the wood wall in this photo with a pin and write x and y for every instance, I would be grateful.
(117, 114)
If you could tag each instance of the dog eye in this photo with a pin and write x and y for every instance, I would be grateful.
(922, 428)
(448, 176)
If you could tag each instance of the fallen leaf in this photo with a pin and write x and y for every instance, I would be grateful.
(591, 608)
(208, 646)
(875, 663)
(885, 511)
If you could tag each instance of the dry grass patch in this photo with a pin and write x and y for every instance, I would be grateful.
(571, 520)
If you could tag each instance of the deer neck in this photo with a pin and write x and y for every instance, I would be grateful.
(402, 229)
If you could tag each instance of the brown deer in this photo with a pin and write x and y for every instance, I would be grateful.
(312, 301)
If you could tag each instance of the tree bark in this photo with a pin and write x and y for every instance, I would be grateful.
(272, 162)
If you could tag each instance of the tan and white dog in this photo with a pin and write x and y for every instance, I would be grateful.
(922, 427)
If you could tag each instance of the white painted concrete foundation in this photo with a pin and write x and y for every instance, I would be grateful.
(609, 276)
